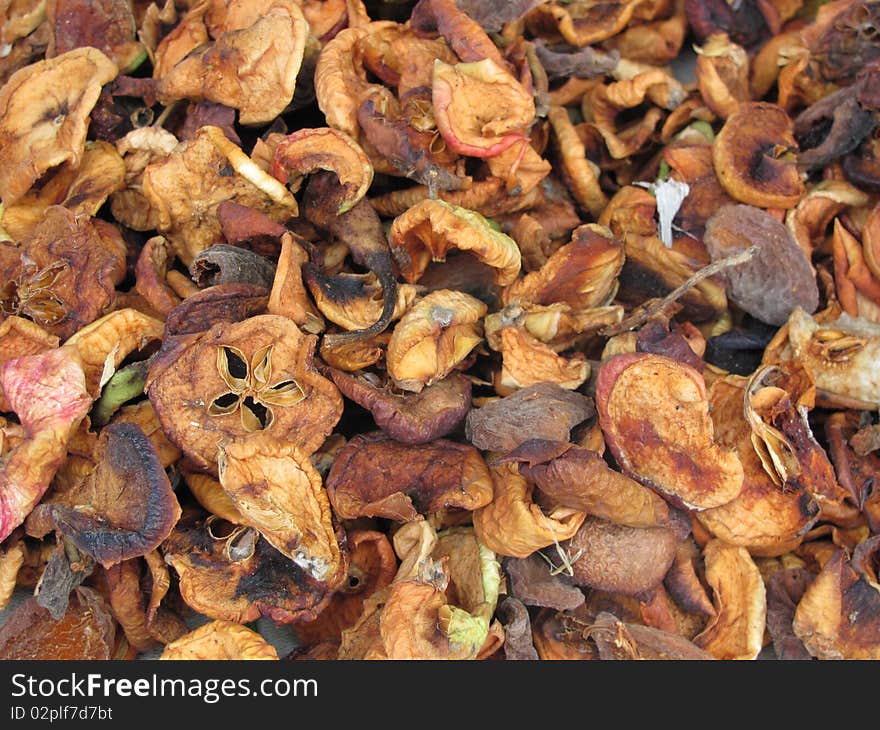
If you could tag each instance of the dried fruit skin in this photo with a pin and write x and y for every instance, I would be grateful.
(620, 559)
(85, 632)
(252, 65)
(428, 230)
(737, 629)
(513, 525)
(837, 616)
(433, 337)
(132, 507)
(414, 418)
(666, 444)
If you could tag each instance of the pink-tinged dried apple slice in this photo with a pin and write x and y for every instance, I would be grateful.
(654, 413)
(480, 109)
(48, 394)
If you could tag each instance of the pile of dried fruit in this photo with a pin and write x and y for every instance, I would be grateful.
(440, 329)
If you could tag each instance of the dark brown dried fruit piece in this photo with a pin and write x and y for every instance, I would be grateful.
(375, 476)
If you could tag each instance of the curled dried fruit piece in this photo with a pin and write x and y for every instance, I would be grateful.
(374, 476)
(837, 616)
(220, 640)
(185, 189)
(433, 337)
(251, 65)
(581, 479)
(430, 229)
(777, 401)
(372, 566)
(411, 418)
(841, 354)
(582, 273)
(777, 278)
(723, 75)
(767, 518)
(736, 631)
(355, 301)
(527, 361)
(69, 268)
(753, 156)
(277, 491)
(235, 575)
(254, 375)
(665, 441)
(481, 110)
(308, 150)
(44, 115)
(82, 189)
(125, 508)
(108, 25)
(543, 411)
(48, 394)
(512, 524)
(625, 641)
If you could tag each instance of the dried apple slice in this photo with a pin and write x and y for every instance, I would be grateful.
(277, 491)
(581, 479)
(235, 575)
(48, 394)
(841, 354)
(481, 110)
(754, 157)
(736, 631)
(412, 418)
(513, 525)
(766, 518)
(837, 617)
(125, 508)
(374, 476)
(251, 65)
(372, 566)
(41, 128)
(627, 560)
(251, 376)
(433, 337)
(308, 150)
(542, 411)
(655, 416)
(219, 640)
(430, 229)
(582, 273)
(86, 631)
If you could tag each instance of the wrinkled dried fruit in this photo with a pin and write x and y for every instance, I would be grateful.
(41, 128)
(85, 632)
(544, 411)
(754, 157)
(666, 443)
(374, 476)
(220, 640)
(255, 375)
(777, 278)
(123, 509)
